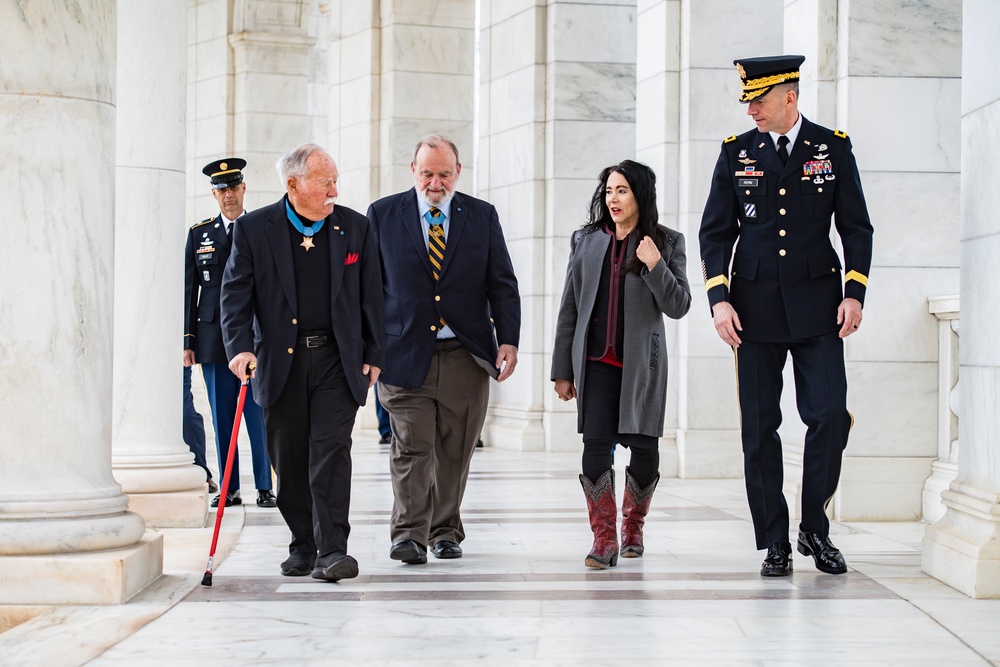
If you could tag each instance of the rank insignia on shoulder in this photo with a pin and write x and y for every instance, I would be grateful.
(730, 139)
(840, 133)
(199, 224)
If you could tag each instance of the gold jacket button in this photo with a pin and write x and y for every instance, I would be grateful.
(781, 232)
(437, 298)
(294, 321)
(782, 252)
(781, 191)
(290, 350)
(748, 192)
(781, 211)
(433, 328)
(819, 189)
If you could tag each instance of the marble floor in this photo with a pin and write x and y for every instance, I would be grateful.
(521, 596)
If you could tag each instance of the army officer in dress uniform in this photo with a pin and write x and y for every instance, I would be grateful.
(208, 246)
(773, 193)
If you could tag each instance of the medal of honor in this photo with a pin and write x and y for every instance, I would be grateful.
(307, 231)
(307, 243)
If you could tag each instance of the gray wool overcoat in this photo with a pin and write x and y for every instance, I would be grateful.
(648, 297)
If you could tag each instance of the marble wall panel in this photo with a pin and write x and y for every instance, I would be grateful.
(657, 32)
(915, 216)
(701, 157)
(980, 172)
(354, 16)
(980, 296)
(576, 146)
(445, 97)
(881, 488)
(895, 408)
(419, 48)
(889, 38)
(355, 100)
(443, 13)
(515, 99)
(598, 33)
(498, 11)
(403, 133)
(516, 154)
(591, 91)
(657, 111)
(916, 129)
(896, 323)
(212, 58)
(271, 93)
(711, 393)
(357, 55)
(209, 98)
(716, 36)
(516, 42)
(212, 20)
(713, 108)
(254, 53)
(980, 75)
(811, 30)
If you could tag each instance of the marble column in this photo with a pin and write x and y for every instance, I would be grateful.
(708, 110)
(66, 536)
(869, 64)
(963, 548)
(272, 60)
(150, 460)
(354, 76)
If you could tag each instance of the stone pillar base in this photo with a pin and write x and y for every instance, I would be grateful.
(705, 454)
(514, 429)
(179, 509)
(963, 548)
(874, 488)
(97, 577)
(943, 474)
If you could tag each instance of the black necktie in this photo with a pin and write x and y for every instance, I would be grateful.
(783, 149)
(229, 230)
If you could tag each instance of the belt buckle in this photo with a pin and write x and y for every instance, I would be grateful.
(318, 340)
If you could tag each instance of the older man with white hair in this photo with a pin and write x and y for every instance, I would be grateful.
(302, 299)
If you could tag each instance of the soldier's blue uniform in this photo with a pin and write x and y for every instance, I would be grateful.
(766, 248)
(205, 255)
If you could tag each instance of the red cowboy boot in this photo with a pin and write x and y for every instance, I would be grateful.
(603, 512)
(635, 506)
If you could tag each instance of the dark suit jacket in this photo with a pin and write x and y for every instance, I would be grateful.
(205, 258)
(260, 282)
(786, 281)
(477, 282)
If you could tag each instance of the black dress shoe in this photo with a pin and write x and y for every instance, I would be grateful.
(231, 499)
(213, 488)
(384, 439)
(826, 556)
(298, 565)
(335, 568)
(266, 499)
(779, 560)
(479, 443)
(410, 552)
(446, 549)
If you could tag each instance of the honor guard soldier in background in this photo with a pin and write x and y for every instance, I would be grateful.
(208, 247)
(773, 193)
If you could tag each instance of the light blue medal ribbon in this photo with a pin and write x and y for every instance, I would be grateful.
(297, 223)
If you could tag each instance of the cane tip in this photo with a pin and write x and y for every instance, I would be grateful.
(207, 579)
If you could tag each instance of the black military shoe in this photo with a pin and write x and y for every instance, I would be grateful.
(779, 560)
(233, 498)
(410, 552)
(266, 499)
(826, 556)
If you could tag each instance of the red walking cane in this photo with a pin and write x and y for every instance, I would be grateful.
(207, 579)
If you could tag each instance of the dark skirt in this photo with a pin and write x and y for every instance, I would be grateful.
(601, 399)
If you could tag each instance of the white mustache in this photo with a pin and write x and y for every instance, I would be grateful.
(330, 200)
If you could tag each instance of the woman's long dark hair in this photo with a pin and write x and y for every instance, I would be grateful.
(642, 181)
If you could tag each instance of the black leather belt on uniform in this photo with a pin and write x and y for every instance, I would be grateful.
(316, 339)
(447, 344)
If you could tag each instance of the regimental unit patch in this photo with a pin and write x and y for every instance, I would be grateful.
(750, 210)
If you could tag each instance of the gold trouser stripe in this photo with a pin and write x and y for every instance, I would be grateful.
(716, 281)
(854, 275)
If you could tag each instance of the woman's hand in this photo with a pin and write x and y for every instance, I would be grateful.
(565, 389)
(648, 253)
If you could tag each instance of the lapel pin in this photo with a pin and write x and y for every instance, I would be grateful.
(806, 142)
(761, 145)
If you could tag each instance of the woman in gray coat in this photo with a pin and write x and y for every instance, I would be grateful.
(625, 272)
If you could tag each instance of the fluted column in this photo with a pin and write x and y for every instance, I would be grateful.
(150, 459)
(65, 533)
(963, 548)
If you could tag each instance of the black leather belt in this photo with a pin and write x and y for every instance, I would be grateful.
(447, 344)
(316, 340)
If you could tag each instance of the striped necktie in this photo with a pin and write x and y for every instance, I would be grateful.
(435, 243)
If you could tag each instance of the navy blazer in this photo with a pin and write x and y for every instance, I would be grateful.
(786, 277)
(259, 282)
(476, 293)
(205, 258)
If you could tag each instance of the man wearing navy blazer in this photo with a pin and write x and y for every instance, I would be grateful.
(452, 321)
(302, 299)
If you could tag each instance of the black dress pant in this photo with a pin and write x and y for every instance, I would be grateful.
(821, 397)
(309, 442)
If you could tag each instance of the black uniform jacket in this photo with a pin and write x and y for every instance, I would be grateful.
(477, 290)
(786, 280)
(259, 282)
(205, 257)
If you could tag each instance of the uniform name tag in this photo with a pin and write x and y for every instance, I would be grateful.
(817, 167)
(748, 182)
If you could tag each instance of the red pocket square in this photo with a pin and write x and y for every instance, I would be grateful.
(352, 258)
